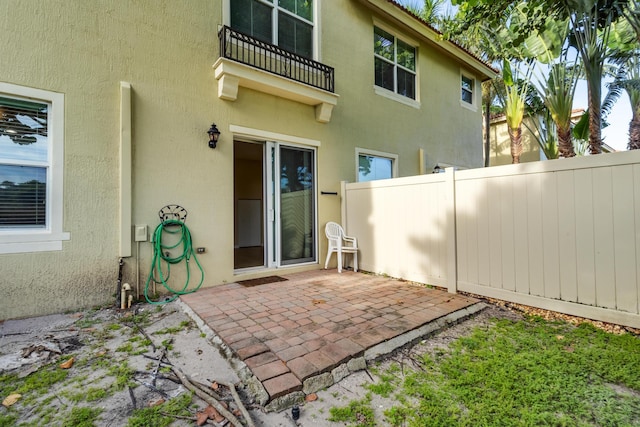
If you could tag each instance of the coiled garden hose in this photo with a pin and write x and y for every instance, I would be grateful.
(161, 253)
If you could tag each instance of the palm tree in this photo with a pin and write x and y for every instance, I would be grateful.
(627, 80)
(541, 126)
(625, 51)
(513, 100)
(632, 86)
(431, 11)
(591, 22)
(514, 112)
(557, 89)
(558, 96)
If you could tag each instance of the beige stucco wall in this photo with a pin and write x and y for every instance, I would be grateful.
(84, 49)
(166, 51)
(447, 131)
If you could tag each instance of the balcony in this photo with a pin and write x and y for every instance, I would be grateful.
(248, 62)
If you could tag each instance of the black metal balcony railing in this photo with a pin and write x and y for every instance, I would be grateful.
(250, 51)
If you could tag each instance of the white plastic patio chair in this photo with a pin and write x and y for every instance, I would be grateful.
(340, 244)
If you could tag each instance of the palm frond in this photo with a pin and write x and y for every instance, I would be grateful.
(543, 130)
(631, 11)
(615, 91)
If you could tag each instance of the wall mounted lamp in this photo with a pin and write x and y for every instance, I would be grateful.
(214, 133)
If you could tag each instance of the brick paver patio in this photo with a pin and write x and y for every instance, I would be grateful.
(289, 331)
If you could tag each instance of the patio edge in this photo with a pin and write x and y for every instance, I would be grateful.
(325, 379)
(399, 341)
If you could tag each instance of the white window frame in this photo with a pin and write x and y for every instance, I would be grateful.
(374, 153)
(50, 238)
(275, 8)
(392, 94)
(473, 105)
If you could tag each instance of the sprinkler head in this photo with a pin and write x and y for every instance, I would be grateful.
(295, 412)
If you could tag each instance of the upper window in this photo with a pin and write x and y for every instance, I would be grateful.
(466, 88)
(373, 165)
(30, 169)
(285, 23)
(395, 63)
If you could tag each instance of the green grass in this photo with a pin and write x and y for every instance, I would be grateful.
(142, 319)
(72, 397)
(82, 417)
(153, 417)
(357, 413)
(87, 322)
(127, 347)
(8, 420)
(123, 374)
(114, 327)
(33, 385)
(524, 373)
(134, 347)
(185, 324)
(91, 394)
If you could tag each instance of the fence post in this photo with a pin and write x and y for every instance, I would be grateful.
(452, 255)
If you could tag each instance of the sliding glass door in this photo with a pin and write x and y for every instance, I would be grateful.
(297, 205)
(287, 205)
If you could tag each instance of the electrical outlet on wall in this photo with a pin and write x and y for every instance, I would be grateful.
(140, 233)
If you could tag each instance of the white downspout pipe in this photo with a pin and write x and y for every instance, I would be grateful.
(124, 247)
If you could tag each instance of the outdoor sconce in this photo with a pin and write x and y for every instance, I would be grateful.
(214, 133)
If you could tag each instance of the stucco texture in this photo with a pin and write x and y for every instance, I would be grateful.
(84, 49)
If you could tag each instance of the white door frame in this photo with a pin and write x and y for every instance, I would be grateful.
(272, 142)
(273, 242)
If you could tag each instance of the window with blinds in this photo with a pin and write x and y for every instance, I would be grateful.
(24, 163)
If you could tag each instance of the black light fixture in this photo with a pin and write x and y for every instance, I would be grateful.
(214, 133)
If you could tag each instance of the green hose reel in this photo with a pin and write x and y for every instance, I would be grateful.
(172, 227)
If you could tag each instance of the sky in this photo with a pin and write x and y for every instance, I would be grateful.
(616, 134)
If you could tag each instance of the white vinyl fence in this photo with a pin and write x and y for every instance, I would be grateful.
(562, 235)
